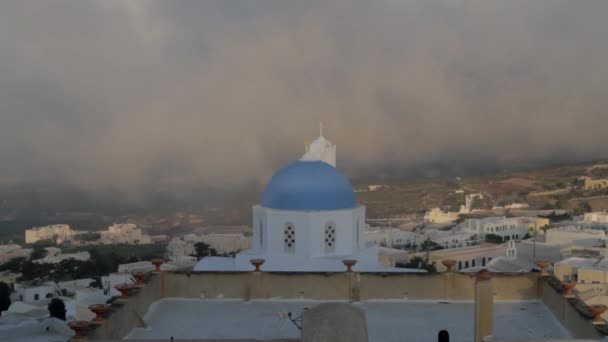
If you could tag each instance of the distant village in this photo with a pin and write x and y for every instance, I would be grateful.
(473, 238)
(75, 270)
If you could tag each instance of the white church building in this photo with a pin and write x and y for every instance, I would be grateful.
(309, 221)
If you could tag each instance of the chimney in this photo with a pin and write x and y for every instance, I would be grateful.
(597, 311)
(99, 310)
(543, 265)
(157, 263)
(448, 263)
(353, 288)
(80, 329)
(256, 287)
(484, 305)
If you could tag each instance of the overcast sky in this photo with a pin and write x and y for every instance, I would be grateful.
(116, 91)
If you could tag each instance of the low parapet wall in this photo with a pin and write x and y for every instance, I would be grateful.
(571, 312)
(346, 286)
(343, 286)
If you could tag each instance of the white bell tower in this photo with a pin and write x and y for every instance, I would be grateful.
(321, 149)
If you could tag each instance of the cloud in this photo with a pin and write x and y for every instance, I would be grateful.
(125, 93)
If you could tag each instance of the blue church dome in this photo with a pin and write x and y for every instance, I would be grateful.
(307, 186)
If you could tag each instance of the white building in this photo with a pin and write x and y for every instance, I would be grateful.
(55, 259)
(469, 200)
(438, 216)
(392, 237)
(9, 278)
(35, 330)
(222, 243)
(309, 220)
(513, 228)
(110, 281)
(33, 294)
(465, 257)
(124, 233)
(133, 267)
(58, 233)
(575, 235)
(596, 217)
(513, 206)
(12, 251)
(508, 263)
(400, 238)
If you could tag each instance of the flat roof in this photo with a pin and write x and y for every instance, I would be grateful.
(399, 320)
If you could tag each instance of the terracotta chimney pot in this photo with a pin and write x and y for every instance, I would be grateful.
(543, 265)
(98, 310)
(349, 263)
(483, 275)
(568, 286)
(139, 277)
(449, 263)
(124, 290)
(597, 311)
(157, 263)
(80, 328)
(257, 263)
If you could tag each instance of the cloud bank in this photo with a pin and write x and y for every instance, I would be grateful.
(123, 93)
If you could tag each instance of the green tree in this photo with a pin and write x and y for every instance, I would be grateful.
(57, 309)
(477, 203)
(202, 250)
(418, 262)
(5, 297)
(39, 252)
(584, 207)
(493, 238)
(89, 236)
(429, 245)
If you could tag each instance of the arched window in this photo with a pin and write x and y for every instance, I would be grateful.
(289, 235)
(330, 237)
(483, 261)
(443, 336)
(261, 232)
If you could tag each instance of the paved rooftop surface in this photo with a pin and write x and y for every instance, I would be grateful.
(387, 320)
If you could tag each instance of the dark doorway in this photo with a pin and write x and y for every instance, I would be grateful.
(443, 336)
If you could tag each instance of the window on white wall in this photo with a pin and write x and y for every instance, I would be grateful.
(289, 235)
(330, 237)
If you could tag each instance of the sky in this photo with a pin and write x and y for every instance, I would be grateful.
(115, 92)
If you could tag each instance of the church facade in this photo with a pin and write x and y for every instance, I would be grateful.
(308, 221)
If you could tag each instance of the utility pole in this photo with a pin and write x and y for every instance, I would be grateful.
(428, 252)
(534, 246)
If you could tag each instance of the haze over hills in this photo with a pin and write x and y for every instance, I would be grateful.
(165, 209)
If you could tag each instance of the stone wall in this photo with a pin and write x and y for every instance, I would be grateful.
(124, 316)
(570, 316)
(344, 286)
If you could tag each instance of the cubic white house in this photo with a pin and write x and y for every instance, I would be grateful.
(57, 233)
(308, 221)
